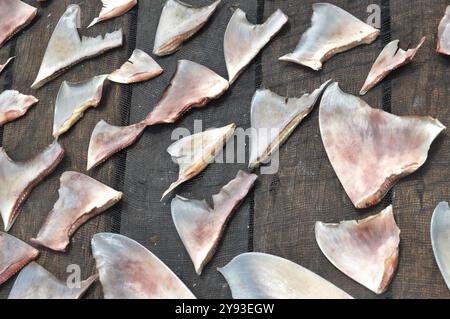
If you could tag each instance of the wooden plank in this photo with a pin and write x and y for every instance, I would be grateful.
(421, 88)
(149, 169)
(306, 189)
(30, 134)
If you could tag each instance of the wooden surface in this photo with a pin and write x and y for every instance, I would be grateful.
(278, 216)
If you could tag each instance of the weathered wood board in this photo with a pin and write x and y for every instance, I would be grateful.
(278, 216)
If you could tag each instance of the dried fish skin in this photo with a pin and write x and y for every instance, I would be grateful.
(13, 105)
(194, 153)
(19, 178)
(139, 68)
(80, 199)
(14, 255)
(128, 270)
(264, 276)
(201, 227)
(443, 45)
(244, 40)
(112, 9)
(179, 21)
(107, 140)
(66, 48)
(73, 99)
(369, 149)
(3, 66)
(333, 30)
(274, 118)
(391, 58)
(193, 85)
(365, 250)
(36, 282)
(440, 234)
(14, 16)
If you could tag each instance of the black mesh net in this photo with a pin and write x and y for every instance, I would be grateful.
(277, 217)
(148, 170)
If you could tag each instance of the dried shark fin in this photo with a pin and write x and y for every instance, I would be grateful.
(107, 140)
(243, 40)
(65, 48)
(440, 236)
(179, 21)
(200, 226)
(73, 99)
(80, 199)
(3, 66)
(365, 250)
(35, 282)
(333, 30)
(264, 276)
(17, 179)
(112, 9)
(443, 45)
(14, 254)
(193, 85)
(128, 270)
(273, 120)
(391, 58)
(139, 68)
(14, 16)
(194, 153)
(14, 105)
(369, 149)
